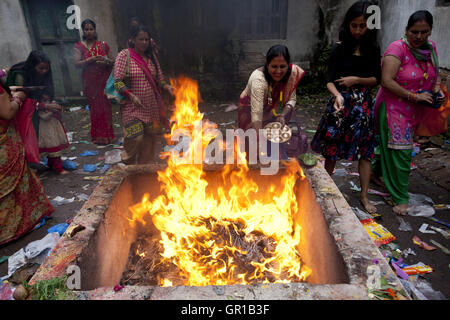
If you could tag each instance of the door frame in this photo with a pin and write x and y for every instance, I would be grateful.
(38, 43)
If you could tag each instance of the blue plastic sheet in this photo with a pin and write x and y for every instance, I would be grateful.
(90, 167)
(89, 153)
(60, 228)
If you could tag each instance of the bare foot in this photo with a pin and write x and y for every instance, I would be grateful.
(369, 207)
(401, 209)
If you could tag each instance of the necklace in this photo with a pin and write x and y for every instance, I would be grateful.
(280, 110)
(93, 51)
(425, 71)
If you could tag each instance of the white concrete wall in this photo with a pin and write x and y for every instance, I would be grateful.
(395, 15)
(15, 41)
(101, 12)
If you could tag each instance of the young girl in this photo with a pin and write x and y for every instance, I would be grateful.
(39, 120)
(346, 130)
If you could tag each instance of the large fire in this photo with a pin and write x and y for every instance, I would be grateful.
(233, 235)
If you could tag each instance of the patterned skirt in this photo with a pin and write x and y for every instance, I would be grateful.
(348, 134)
(23, 202)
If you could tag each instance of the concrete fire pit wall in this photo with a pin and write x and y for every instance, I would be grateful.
(341, 256)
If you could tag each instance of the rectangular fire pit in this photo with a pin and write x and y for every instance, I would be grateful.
(334, 245)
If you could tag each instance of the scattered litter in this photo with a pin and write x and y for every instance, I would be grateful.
(105, 168)
(224, 124)
(378, 193)
(59, 201)
(441, 206)
(419, 268)
(379, 234)
(439, 221)
(354, 187)
(6, 292)
(444, 233)
(422, 244)
(362, 215)
(308, 159)
(69, 158)
(34, 252)
(70, 136)
(73, 148)
(424, 227)
(73, 230)
(398, 270)
(93, 178)
(75, 109)
(310, 131)
(420, 205)
(440, 246)
(346, 164)
(3, 259)
(69, 165)
(59, 228)
(43, 220)
(427, 291)
(82, 197)
(407, 252)
(353, 173)
(404, 226)
(88, 153)
(118, 287)
(413, 166)
(340, 172)
(231, 107)
(113, 157)
(90, 167)
(85, 187)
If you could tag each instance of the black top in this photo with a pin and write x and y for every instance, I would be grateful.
(342, 64)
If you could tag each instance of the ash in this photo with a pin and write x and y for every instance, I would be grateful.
(146, 266)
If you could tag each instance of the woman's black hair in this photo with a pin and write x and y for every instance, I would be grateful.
(369, 42)
(276, 51)
(85, 23)
(421, 15)
(28, 70)
(150, 50)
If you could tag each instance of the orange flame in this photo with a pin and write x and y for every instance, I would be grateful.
(193, 220)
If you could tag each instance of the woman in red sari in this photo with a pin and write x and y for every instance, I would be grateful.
(23, 202)
(94, 57)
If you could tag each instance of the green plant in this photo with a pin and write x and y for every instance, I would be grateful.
(52, 289)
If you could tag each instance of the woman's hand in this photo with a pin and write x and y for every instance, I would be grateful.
(348, 81)
(424, 97)
(281, 120)
(53, 107)
(94, 59)
(339, 103)
(19, 95)
(136, 101)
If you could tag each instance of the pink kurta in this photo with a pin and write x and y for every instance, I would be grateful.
(403, 116)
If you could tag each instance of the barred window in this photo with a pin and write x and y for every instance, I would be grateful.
(263, 19)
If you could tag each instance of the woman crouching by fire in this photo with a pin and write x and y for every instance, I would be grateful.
(270, 95)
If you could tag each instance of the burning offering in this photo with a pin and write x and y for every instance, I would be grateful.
(234, 230)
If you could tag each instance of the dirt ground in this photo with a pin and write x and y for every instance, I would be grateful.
(432, 182)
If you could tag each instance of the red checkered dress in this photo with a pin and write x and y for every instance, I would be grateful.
(141, 88)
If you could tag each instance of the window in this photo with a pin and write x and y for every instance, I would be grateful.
(263, 19)
(442, 3)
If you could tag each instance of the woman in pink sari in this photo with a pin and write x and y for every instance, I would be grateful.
(143, 115)
(410, 77)
(94, 57)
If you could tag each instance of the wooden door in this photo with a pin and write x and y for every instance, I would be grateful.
(47, 21)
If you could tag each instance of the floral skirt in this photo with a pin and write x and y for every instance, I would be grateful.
(348, 134)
